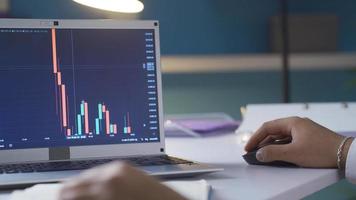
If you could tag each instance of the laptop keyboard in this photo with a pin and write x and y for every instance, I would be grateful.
(86, 164)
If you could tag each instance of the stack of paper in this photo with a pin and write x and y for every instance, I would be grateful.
(198, 124)
(339, 117)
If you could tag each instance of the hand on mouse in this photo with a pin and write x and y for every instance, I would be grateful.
(115, 181)
(312, 145)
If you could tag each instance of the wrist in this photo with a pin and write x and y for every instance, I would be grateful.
(345, 152)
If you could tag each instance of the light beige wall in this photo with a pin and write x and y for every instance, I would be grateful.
(4, 5)
(257, 62)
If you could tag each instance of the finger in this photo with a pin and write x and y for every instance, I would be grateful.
(275, 127)
(96, 174)
(272, 153)
(77, 189)
(269, 139)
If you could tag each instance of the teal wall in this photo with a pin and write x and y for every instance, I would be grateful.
(228, 91)
(187, 27)
(207, 26)
(344, 10)
(211, 26)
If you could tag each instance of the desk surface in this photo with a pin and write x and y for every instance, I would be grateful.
(241, 181)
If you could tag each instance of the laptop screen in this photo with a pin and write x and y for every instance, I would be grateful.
(70, 87)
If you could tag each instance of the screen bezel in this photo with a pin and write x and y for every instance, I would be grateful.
(92, 151)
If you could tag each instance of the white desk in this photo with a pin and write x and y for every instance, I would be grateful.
(241, 181)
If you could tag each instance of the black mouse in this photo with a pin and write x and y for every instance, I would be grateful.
(250, 157)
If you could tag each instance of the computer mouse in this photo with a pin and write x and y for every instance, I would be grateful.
(250, 157)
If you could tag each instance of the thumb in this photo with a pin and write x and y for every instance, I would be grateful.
(273, 153)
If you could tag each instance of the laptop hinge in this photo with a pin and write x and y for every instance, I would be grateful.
(59, 153)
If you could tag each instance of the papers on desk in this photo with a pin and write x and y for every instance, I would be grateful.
(339, 117)
(38, 192)
(199, 124)
(195, 190)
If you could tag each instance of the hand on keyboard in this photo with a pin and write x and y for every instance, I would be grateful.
(116, 180)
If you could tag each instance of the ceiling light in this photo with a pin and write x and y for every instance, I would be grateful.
(124, 6)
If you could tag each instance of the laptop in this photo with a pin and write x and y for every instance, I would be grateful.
(76, 94)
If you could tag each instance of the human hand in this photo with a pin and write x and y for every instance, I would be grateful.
(312, 145)
(115, 181)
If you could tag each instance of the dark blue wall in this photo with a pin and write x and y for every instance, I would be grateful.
(344, 9)
(207, 26)
(237, 26)
(187, 27)
(61, 9)
(211, 26)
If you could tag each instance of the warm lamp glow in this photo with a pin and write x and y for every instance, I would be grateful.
(124, 6)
